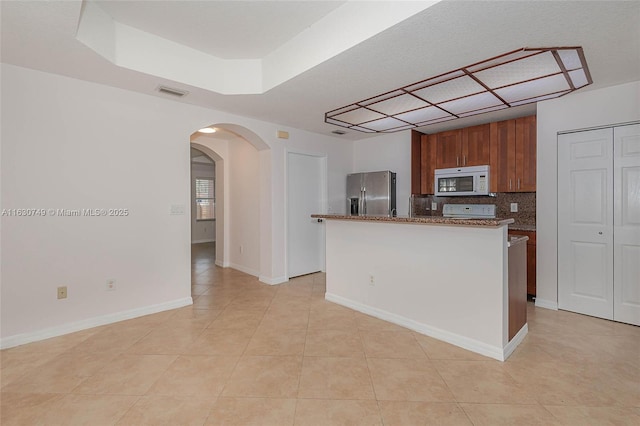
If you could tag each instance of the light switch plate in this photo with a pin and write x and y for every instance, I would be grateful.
(177, 209)
(514, 207)
(434, 206)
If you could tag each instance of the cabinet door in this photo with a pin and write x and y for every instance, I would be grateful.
(503, 156)
(428, 163)
(449, 148)
(531, 267)
(525, 154)
(475, 145)
(531, 259)
(416, 156)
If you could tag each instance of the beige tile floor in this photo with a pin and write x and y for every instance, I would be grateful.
(247, 353)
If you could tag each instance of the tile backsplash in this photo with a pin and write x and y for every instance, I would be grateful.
(526, 214)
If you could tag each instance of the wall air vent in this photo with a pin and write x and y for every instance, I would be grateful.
(171, 91)
(338, 132)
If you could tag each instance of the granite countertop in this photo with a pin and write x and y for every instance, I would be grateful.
(426, 220)
(518, 227)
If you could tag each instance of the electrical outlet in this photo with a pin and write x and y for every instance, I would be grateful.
(62, 292)
(514, 207)
(111, 285)
(372, 280)
(434, 206)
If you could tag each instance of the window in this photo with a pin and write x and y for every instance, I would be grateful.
(205, 199)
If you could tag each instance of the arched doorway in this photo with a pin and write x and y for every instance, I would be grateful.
(243, 202)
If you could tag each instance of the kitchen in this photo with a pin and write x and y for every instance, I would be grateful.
(478, 161)
(513, 183)
(460, 267)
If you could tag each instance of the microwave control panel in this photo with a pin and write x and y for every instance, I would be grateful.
(482, 183)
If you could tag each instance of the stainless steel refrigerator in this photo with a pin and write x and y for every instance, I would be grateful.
(371, 194)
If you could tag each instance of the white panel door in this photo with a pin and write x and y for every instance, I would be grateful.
(585, 222)
(626, 234)
(305, 235)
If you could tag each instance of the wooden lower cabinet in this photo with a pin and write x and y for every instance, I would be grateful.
(517, 288)
(531, 259)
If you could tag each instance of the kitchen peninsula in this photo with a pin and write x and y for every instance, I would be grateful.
(443, 277)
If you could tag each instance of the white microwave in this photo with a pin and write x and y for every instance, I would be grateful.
(462, 181)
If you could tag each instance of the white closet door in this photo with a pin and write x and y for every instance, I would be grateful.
(626, 235)
(585, 222)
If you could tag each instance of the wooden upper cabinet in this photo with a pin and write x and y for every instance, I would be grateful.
(513, 155)
(463, 147)
(509, 147)
(503, 156)
(526, 154)
(428, 163)
(475, 145)
(423, 163)
(416, 156)
(448, 149)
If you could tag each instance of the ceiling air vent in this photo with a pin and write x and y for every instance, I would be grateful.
(171, 91)
(338, 132)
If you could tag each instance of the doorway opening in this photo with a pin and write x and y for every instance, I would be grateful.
(203, 217)
(238, 194)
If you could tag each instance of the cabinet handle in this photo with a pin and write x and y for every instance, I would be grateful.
(509, 183)
(457, 161)
(464, 160)
(518, 183)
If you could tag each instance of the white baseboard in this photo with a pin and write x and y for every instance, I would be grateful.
(473, 345)
(203, 241)
(24, 338)
(244, 269)
(261, 278)
(517, 339)
(547, 304)
(273, 281)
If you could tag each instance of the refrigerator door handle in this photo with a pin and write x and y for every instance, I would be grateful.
(364, 201)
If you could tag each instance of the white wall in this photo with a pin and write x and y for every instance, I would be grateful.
(387, 152)
(73, 145)
(419, 285)
(244, 206)
(202, 231)
(580, 110)
(53, 157)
